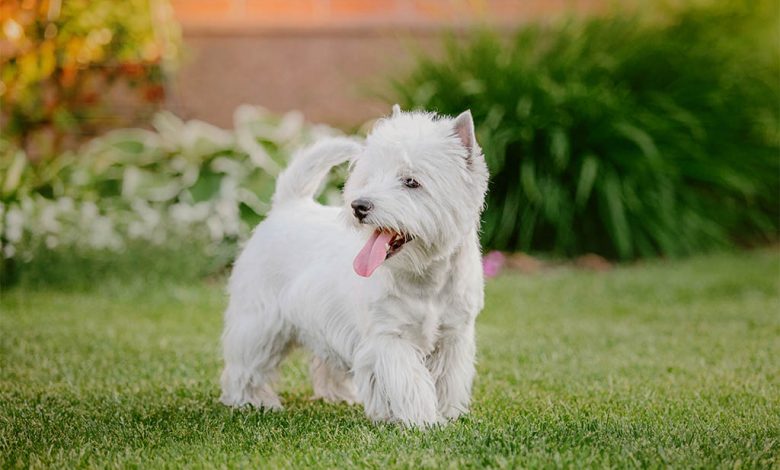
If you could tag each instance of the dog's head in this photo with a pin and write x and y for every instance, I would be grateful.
(416, 190)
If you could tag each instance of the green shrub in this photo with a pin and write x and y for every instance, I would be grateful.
(621, 136)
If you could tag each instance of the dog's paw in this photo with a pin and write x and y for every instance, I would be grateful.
(335, 399)
(453, 412)
(417, 420)
(271, 405)
(262, 398)
(267, 406)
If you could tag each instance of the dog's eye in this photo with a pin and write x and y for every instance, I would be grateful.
(410, 183)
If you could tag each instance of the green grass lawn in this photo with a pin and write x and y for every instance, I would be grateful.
(662, 363)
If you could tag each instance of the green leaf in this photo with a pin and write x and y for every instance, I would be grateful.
(528, 181)
(207, 186)
(559, 148)
(621, 233)
(588, 172)
(13, 176)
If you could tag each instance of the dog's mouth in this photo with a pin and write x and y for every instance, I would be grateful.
(381, 246)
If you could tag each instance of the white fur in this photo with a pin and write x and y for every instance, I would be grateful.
(401, 342)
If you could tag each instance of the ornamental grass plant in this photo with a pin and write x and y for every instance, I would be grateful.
(621, 135)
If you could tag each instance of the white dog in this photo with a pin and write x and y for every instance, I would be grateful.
(385, 300)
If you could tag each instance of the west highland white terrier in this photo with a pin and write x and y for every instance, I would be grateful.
(384, 292)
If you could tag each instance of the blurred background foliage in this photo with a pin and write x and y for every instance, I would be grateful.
(627, 135)
(175, 199)
(62, 62)
(623, 135)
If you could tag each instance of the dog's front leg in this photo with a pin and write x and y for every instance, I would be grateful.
(452, 367)
(393, 382)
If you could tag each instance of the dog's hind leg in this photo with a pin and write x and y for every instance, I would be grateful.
(254, 342)
(331, 383)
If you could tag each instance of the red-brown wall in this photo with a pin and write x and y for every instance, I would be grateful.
(323, 57)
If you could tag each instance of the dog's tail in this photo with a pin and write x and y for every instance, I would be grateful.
(308, 168)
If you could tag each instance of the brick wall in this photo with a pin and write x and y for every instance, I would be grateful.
(323, 57)
(215, 14)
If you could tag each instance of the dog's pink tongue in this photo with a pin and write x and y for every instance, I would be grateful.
(373, 253)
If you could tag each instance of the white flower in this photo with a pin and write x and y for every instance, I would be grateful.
(188, 214)
(48, 219)
(51, 241)
(289, 127)
(89, 211)
(228, 213)
(131, 179)
(15, 225)
(136, 229)
(150, 217)
(177, 154)
(65, 204)
(102, 234)
(215, 228)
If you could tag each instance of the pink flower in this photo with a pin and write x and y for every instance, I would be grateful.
(492, 263)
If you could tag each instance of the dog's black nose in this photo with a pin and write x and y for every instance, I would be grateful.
(361, 207)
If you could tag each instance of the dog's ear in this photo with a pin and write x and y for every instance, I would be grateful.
(464, 129)
(396, 110)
